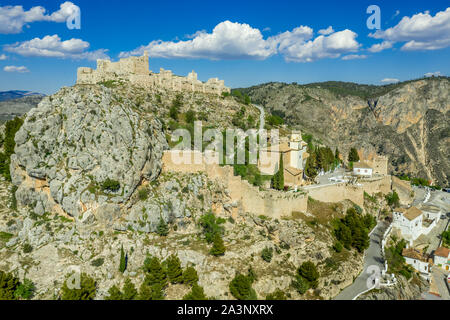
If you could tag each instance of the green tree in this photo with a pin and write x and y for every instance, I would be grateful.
(155, 272)
(267, 254)
(308, 271)
(162, 229)
(129, 290)
(114, 293)
(196, 293)
(123, 260)
(145, 292)
(392, 199)
(218, 248)
(175, 107)
(110, 185)
(174, 271)
(276, 295)
(8, 143)
(190, 116)
(211, 226)
(310, 166)
(300, 284)
(190, 276)
(278, 177)
(241, 288)
(8, 286)
(86, 291)
(157, 292)
(25, 290)
(353, 155)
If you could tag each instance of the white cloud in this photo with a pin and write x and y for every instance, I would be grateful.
(14, 18)
(420, 32)
(332, 46)
(231, 40)
(20, 69)
(397, 12)
(390, 80)
(266, 29)
(52, 46)
(380, 46)
(433, 74)
(227, 41)
(354, 56)
(326, 31)
(3, 57)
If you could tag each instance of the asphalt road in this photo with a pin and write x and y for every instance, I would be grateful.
(440, 279)
(372, 257)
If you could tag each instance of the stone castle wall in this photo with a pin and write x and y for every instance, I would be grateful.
(271, 203)
(136, 70)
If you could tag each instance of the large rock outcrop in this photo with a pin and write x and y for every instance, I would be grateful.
(74, 142)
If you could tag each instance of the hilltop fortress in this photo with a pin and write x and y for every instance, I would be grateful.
(136, 70)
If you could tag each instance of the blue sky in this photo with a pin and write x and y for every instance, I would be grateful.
(243, 42)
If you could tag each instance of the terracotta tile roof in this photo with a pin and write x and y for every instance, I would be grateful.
(414, 254)
(361, 165)
(412, 213)
(442, 252)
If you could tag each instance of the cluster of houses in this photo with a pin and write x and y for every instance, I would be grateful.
(413, 222)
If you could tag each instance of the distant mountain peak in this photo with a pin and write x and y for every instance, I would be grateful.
(15, 94)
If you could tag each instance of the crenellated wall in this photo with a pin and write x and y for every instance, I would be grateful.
(136, 70)
(271, 203)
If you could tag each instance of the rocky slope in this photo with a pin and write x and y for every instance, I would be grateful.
(74, 142)
(61, 246)
(68, 217)
(409, 123)
(404, 290)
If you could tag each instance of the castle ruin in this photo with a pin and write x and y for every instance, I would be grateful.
(136, 70)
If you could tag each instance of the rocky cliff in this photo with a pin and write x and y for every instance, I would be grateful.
(84, 150)
(408, 122)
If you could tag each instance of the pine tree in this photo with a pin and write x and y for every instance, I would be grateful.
(197, 293)
(145, 292)
(174, 271)
(155, 273)
(129, 290)
(123, 260)
(162, 229)
(190, 276)
(114, 293)
(157, 292)
(353, 155)
(87, 291)
(278, 177)
(218, 248)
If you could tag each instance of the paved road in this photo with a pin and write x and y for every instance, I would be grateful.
(440, 279)
(262, 117)
(372, 256)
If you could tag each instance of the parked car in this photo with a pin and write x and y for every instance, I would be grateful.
(446, 190)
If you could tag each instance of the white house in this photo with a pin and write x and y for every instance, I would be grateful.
(409, 222)
(442, 258)
(418, 261)
(362, 169)
(430, 212)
